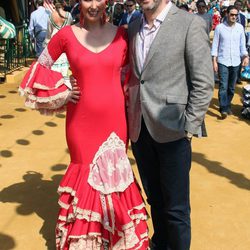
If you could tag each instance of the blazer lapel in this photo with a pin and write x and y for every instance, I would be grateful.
(161, 35)
(135, 35)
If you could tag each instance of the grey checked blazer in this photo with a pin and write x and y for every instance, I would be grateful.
(175, 87)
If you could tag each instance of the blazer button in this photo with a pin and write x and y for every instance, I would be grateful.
(142, 81)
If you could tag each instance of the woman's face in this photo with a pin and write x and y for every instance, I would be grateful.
(93, 10)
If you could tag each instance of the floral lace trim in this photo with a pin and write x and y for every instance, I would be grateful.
(128, 239)
(45, 58)
(137, 208)
(88, 242)
(111, 170)
(47, 103)
(112, 143)
(41, 86)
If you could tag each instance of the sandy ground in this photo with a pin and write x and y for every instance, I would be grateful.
(34, 156)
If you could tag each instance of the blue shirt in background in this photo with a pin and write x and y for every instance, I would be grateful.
(229, 44)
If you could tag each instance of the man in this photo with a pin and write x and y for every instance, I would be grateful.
(242, 20)
(202, 12)
(228, 51)
(169, 92)
(130, 15)
(38, 26)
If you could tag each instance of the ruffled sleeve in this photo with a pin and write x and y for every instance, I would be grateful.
(46, 90)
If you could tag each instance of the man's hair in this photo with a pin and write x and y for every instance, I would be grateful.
(39, 2)
(238, 1)
(200, 1)
(231, 7)
(133, 1)
(184, 6)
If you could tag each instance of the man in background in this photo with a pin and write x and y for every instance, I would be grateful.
(38, 26)
(228, 51)
(130, 15)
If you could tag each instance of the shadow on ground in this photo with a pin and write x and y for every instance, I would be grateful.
(215, 167)
(6, 242)
(34, 195)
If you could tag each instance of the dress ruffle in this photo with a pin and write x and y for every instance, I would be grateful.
(94, 220)
(44, 89)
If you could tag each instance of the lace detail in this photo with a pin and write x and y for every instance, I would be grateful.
(127, 241)
(42, 86)
(86, 242)
(111, 171)
(48, 105)
(45, 59)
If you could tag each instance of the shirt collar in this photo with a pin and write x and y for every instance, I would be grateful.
(160, 18)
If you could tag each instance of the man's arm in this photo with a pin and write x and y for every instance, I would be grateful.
(31, 26)
(201, 75)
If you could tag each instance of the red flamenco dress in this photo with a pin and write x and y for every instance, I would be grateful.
(100, 203)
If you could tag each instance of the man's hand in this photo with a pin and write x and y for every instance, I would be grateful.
(215, 66)
(245, 61)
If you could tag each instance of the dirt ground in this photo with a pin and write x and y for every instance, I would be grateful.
(34, 156)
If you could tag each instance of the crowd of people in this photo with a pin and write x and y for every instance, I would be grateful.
(144, 74)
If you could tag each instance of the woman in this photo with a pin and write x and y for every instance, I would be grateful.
(57, 20)
(101, 207)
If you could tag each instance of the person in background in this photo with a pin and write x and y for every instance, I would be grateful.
(184, 7)
(57, 20)
(228, 52)
(242, 20)
(241, 17)
(38, 26)
(75, 11)
(202, 12)
(130, 15)
(118, 13)
(216, 17)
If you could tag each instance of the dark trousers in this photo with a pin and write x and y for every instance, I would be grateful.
(164, 171)
(228, 77)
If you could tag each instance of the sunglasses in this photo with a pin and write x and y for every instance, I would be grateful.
(129, 5)
(233, 14)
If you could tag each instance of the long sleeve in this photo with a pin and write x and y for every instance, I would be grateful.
(199, 62)
(31, 26)
(45, 90)
(215, 43)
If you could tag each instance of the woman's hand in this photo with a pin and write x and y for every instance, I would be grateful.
(74, 95)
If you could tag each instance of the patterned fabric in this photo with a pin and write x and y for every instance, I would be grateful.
(7, 29)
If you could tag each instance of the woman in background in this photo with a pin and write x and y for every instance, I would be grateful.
(57, 20)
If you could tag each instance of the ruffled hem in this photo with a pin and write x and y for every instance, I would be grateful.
(96, 220)
(45, 90)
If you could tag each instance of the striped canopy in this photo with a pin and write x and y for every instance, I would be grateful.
(7, 29)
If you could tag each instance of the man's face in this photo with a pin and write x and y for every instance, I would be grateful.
(232, 16)
(130, 6)
(148, 5)
(238, 5)
(201, 7)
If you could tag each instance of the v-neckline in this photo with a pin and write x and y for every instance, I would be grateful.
(96, 53)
